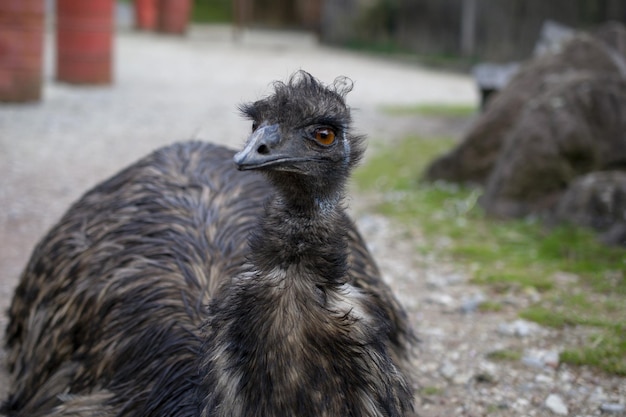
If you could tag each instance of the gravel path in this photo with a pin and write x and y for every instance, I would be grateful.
(454, 373)
(170, 88)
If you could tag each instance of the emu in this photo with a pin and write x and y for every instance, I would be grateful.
(200, 282)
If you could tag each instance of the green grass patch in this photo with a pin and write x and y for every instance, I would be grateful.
(504, 281)
(430, 391)
(433, 109)
(378, 47)
(487, 306)
(504, 355)
(398, 168)
(212, 11)
(604, 350)
(507, 256)
(547, 317)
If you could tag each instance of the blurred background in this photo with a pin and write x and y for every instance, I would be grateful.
(493, 193)
(476, 29)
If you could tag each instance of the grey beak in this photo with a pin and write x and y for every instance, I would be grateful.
(259, 148)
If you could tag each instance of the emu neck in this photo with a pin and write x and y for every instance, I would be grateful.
(305, 195)
(290, 336)
(302, 232)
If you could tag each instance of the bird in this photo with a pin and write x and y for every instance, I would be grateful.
(201, 281)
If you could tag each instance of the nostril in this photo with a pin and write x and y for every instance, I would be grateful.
(263, 150)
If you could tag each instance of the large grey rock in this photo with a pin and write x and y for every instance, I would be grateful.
(597, 200)
(576, 126)
(561, 118)
(474, 159)
(613, 36)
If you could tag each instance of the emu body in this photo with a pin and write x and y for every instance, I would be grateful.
(185, 287)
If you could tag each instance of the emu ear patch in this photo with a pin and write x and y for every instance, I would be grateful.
(324, 136)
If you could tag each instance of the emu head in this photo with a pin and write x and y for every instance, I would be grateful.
(301, 137)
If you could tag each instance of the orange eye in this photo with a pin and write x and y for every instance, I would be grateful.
(325, 136)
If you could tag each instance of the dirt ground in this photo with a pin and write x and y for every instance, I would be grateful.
(170, 88)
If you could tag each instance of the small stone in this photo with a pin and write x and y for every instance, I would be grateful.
(521, 404)
(598, 395)
(551, 358)
(441, 299)
(520, 328)
(613, 408)
(523, 328)
(438, 279)
(448, 370)
(455, 278)
(544, 379)
(566, 377)
(471, 304)
(461, 378)
(488, 367)
(555, 404)
(533, 362)
(537, 358)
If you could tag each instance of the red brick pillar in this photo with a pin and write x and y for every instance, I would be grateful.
(173, 16)
(84, 36)
(21, 49)
(146, 15)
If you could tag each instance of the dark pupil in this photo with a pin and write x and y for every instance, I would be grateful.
(255, 125)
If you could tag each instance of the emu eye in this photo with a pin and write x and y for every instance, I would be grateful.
(325, 136)
(255, 125)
